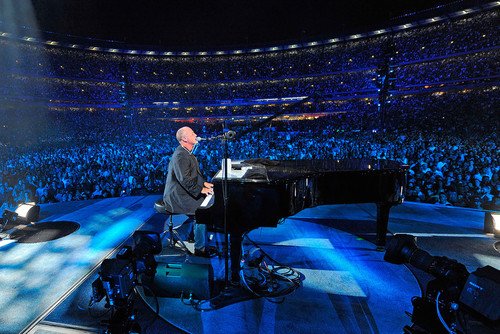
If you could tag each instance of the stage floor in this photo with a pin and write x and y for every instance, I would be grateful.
(346, 286)
(41, 268)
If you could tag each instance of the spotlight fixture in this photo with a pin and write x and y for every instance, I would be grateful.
(28, 212)
(492, 223)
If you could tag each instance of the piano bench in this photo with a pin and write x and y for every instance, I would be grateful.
(174, 237)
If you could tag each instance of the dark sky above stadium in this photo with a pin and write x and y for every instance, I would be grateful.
(216, 23)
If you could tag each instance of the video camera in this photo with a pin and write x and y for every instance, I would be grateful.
(456, 301)
(7, 217)
(119, 276)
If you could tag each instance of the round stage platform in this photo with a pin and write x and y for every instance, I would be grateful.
(346, 286)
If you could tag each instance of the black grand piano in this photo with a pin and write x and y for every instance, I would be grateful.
(261, 192)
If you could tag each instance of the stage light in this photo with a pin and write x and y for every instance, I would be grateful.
(28, 212)
(496, 224)
(492, 223)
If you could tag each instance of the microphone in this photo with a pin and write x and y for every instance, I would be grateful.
(226, 135)
(229, 135)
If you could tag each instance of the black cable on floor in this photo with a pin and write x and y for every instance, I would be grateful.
(265, 277)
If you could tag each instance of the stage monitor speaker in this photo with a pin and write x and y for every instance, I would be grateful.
(187, 279)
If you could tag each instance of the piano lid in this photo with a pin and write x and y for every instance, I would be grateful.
(264, 170)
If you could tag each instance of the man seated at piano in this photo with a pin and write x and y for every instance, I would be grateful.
(186, 188)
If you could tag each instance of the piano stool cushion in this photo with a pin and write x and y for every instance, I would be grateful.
(159, 206)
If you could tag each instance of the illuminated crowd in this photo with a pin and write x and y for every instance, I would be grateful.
(83, 125)
(456, 163)
(442, 39)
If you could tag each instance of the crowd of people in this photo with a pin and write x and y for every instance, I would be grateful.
(454, 69)
(442, 39)
(459, 68)
(59, 90)
(80, 125)
(452, 153)
(345, 82)
(39, 60)
(447, 38)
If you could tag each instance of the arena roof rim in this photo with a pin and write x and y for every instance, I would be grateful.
(113, 48)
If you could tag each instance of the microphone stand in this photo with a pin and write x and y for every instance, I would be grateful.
(225, 137)
(228, 295)
(225, 196)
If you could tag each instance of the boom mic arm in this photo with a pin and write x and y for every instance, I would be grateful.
(226, 135)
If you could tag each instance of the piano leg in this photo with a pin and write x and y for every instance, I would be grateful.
(382, 222)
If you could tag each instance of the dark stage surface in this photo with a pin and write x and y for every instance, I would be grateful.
(346, 286)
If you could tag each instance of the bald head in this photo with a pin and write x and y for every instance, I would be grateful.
(186, 137)
(182, 132)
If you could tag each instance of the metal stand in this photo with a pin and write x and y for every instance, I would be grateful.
(226, 199)
(229, 294)
(174, 237)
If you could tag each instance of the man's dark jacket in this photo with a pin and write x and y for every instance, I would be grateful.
(184, 183)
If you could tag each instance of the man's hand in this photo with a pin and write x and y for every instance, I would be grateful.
(208, 188)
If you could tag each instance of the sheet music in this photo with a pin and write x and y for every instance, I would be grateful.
(231, 174)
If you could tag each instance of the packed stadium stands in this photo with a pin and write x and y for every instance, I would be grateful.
(80, 124)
